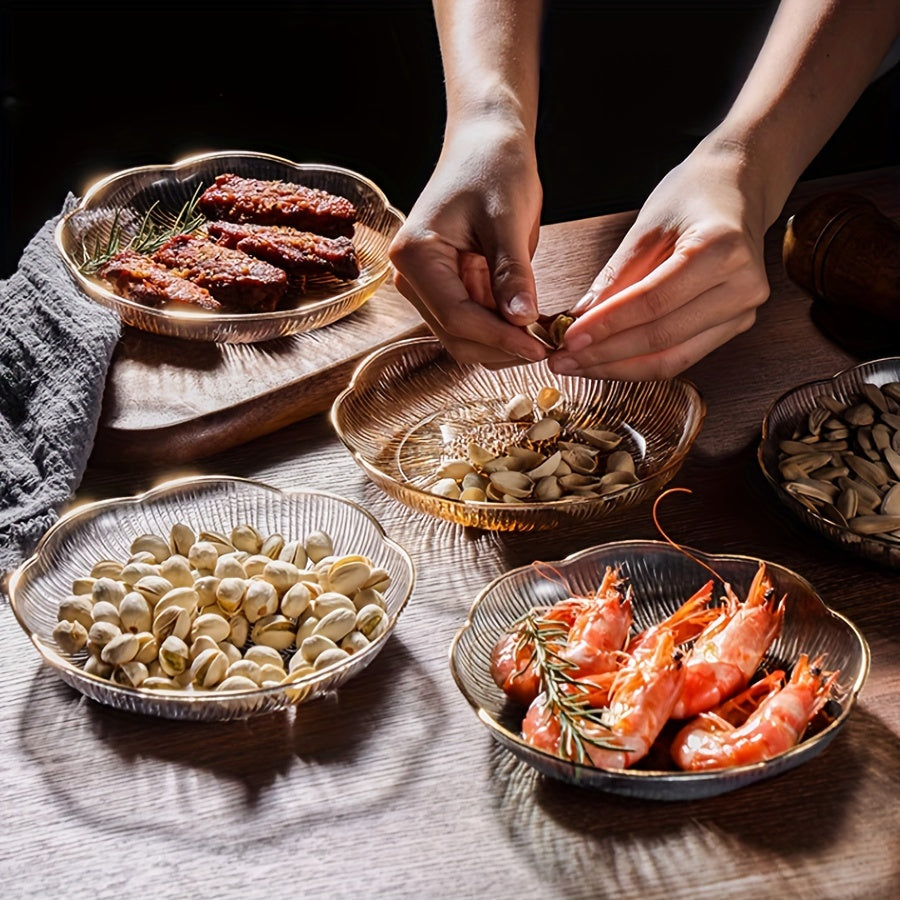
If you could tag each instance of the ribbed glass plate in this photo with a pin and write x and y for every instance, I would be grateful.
(790, 412)
(125, 197)
(663, 578)
(411, 407)
(104, 530)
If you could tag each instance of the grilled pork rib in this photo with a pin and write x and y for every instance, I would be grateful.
(235, 279)
(235, 199)
(297, 252)
(142, 279)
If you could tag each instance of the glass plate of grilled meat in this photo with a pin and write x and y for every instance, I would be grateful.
(232, 247)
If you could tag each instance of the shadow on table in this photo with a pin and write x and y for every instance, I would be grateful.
(797, 824)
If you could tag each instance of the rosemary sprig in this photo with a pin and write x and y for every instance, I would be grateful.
(566, 696)
(155, 229)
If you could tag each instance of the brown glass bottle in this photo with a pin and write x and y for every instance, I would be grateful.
(845, 253)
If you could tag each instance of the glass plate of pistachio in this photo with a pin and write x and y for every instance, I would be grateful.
(831, 451)
(212, 598)
(518, 449)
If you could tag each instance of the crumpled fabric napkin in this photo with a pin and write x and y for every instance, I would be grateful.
(56, 346)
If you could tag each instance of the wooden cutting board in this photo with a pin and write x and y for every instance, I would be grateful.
(170, 401)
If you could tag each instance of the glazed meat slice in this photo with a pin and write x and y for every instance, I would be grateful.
(140, 278)
(237, 280)
(297, 252)
(235, 199)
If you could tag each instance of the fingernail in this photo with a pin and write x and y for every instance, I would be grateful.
(522, 305)
(577, 342)
(562, 365)
(584, 303)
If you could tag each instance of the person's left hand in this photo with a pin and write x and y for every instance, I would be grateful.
(687, 277)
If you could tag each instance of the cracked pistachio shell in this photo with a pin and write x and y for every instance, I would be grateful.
(203, 556)
(281, 574)
(336, 624)
(183, 597)
(379, 579)
(96, 666)
(240, 630)
(275, 631)
(130, 674)
(328, 601)
(133, 572)
(177, 571)
(201, 643)
(174, 621)
(519, 407)
(174, 655)
(262, 655)
(295, 553)
(70, 637)
(181, 537)
(236, 683)
(255, 565)
(368, 595)
(318, 545)
(108, 589)
(82, 586)
(296, 600)
(230, 593)
(348, 574)
(107, 568)
(232, 651)
(148, 648)
(104, 611)
(354, 642)
(153, 587)
(311, 647)
(211, 624)
(121, 649)
(153, 544)
(246, 538)
(209, 668)
(160, 683)
(306, 628)
(260, 599)
(330, 657)
(245, 668)
(372, 621)
(272, 546)
(228, 565)
(76, 608)
(135, 613)
(100, 634)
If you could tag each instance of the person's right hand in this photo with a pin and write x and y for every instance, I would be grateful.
(463, 256)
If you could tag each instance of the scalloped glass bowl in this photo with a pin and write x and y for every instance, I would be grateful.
(790, 412)
(410, 407)
(125, 197)
(105, 529)
(663, 578)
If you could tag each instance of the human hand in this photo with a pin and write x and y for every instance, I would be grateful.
(688, 276)
(463, 256)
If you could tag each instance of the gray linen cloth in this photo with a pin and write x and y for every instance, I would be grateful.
(56, 346)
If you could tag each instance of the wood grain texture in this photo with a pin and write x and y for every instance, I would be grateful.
(393, 788)
(172, 401)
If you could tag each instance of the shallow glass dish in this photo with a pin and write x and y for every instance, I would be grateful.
(789, 415)
(663, 578)
(410, 407)
(105, 530)
(123, 199)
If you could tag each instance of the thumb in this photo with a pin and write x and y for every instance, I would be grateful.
(512, 280)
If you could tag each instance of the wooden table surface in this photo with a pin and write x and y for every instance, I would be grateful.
(392, 788)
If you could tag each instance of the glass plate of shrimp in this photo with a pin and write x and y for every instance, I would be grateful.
(650, 670)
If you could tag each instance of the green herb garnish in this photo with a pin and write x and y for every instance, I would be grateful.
(155, 229)
(566, 696)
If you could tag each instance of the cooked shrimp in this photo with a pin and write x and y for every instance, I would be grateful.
(513, 658)
(641, 697)
(600, 630)
(725, 655)
(764, 720)
(685, 623)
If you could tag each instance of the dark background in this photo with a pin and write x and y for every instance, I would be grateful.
(628, 89)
